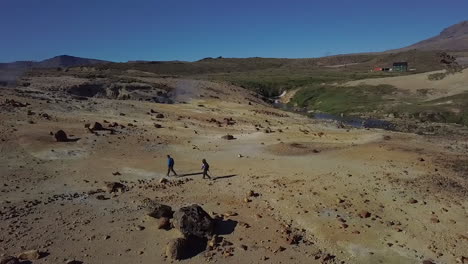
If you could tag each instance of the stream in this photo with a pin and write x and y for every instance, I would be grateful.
(352, 121)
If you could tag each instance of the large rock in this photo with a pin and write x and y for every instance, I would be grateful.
(61, 136)
(177, 248)
(9, 260)
(157, 210)
(194, 221)
(30, 255)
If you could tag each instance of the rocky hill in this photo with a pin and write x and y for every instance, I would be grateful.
(9, 72)
(453, 38)
(58, 61)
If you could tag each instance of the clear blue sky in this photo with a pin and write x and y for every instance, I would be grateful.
(120, 30)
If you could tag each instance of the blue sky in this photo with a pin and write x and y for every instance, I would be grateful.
(120, 30)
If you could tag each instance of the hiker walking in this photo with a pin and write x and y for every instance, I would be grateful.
(205, 168)
(170, 165)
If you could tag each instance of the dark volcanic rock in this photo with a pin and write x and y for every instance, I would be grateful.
(97, 127)
(194, 221)
(9, 260)
(228, 137)
(61, 136)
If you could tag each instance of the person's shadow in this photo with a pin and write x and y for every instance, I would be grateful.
(190, 174)
(224, 177)
(201, 173)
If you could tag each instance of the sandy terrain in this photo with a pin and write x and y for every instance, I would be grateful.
(322, 194)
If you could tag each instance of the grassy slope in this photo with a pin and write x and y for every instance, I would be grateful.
(337, 100)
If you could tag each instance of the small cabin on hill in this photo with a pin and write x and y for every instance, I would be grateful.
(400, 66)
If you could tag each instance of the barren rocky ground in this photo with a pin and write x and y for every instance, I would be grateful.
(286, 189)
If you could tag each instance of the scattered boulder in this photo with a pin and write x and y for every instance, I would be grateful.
(157, 126)
(97, 127)
(364, 214)
(158, 210)
(251, 193)
(229, 121)
(194, 221)
(101, 197)
(228, 137)
(61, 136)
(45, 115)
(14, 103)
(30, 255)
(159, 115)
(112, 187)
(293, 239)
(9, 260)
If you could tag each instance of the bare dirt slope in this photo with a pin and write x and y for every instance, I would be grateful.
(320, 194)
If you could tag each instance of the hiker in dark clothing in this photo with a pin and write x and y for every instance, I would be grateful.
(205, 168)
(170, 165)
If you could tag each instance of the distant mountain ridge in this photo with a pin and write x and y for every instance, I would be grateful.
(58, 61)
(9, 72)
(453, 38)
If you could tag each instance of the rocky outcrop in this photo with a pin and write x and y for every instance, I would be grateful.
(194, 221)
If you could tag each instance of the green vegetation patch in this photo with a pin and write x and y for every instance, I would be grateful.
(346, 100)
(450, 109)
